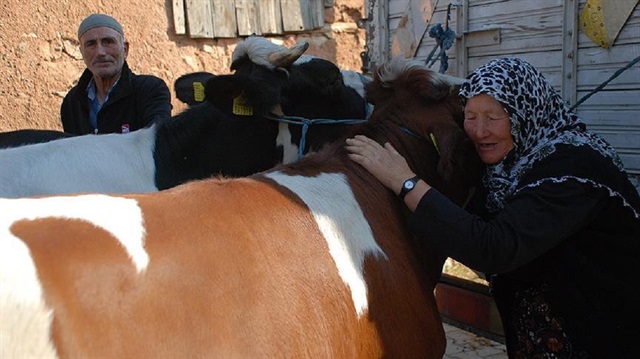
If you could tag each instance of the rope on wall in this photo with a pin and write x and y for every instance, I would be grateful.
(445, 38)
(602, 85)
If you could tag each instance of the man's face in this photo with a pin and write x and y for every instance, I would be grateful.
(104, 51)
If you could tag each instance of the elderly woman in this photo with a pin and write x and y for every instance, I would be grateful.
(555, 225)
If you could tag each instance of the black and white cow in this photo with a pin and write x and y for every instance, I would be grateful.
(228, 134)
(325, 99)
(319, 101)
(29, 136)
(233, 133)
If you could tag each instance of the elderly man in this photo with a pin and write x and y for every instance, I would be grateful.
(109, 97)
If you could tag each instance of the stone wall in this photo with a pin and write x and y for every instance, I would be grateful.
(41, 61)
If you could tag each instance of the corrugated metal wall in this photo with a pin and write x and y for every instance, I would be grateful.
(543, 33)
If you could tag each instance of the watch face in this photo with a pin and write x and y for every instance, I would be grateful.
(408, 185)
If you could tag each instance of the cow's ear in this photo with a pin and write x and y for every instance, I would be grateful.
(221, 90)
(374, 92)
(431, 86)
(190, 88)
(450, 140)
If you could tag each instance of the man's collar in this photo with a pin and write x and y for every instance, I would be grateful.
(91, 89)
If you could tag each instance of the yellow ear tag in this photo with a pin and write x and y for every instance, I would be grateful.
(198, 91)
(240, 107)
(435, 144)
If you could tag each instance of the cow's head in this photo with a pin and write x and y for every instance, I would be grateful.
(261, 69)
(426, 106)
(317, 89)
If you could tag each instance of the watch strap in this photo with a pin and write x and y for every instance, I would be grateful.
(404, 190)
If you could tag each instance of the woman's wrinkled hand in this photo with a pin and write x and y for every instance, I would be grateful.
(384, 163)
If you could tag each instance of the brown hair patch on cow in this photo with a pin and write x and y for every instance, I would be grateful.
(80, 267)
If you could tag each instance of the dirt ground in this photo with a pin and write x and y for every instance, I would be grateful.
(41, 61)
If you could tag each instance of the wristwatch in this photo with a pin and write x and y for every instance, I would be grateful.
(408, 185)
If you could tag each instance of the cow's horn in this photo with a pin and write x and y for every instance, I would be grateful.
(286, 57)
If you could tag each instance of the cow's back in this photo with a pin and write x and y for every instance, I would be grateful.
(236, 268)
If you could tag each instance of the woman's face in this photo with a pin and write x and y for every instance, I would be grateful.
(487, 124)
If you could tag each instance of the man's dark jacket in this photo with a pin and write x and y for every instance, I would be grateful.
(135, 102)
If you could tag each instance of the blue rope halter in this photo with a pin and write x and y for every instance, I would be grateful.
(306, 123)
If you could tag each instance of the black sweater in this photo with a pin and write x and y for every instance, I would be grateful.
(568, 234)
(135, 102)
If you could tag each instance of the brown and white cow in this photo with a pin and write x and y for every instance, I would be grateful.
(310, 259)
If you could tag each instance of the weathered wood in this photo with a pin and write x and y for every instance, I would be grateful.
(224, 18)
(200, 18)
(411, 28)
(569, 51)
(178, 17)
(233, 18)
(543, 33)
(270, 17)
(301, 15)
(404, 41)
(378, 30)
(247, 14)
(317, 13)
(292, 15)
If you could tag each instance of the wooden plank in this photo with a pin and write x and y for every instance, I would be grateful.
(620, 55)
(461, 66)
(411, 28)
(569, 51)
(378, 28)
(247, 15)
(497, 12)
(593, 76)
(224, 18)
(317, 13)
(301, 15)
(482, 37)
(199, 18)
(619, 139)
(178, 17)
(270, 17)
(397, 7)
(292, 15)
(606, 117)
(614, 100)
(403, 41)
(631, 162)
(534, 31)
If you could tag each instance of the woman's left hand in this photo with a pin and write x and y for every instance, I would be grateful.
(384, 163)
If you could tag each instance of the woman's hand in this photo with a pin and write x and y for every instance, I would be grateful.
(387, 165)
(384, 163)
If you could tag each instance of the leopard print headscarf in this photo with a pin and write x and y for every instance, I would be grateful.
(539, 121)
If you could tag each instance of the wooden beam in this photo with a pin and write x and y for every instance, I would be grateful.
(316, 13)
(224, 19)
(270, 15)
(301, 15)
(570, 52)
(199, 18)
(293, 15)
(178, 17)
(247, 14)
